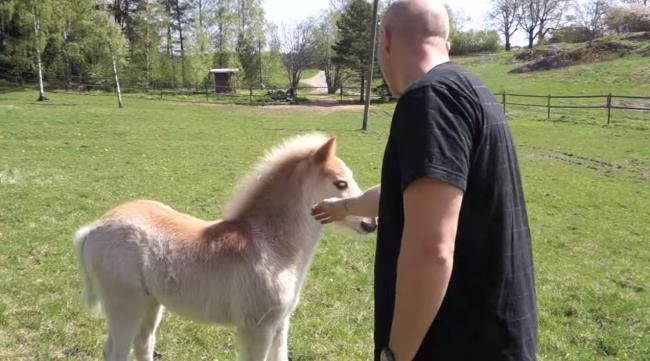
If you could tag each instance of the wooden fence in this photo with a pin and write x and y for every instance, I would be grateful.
(608, 102)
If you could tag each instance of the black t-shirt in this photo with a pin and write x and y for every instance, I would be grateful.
(449, 126)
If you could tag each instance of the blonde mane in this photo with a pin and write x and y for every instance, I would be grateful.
(296, 148)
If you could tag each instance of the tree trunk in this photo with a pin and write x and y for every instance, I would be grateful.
(129, 30)
(117, 82)
(37, 36)
(508, 47)
(221, 58)
(531, 39)
(259, 50)
(338, 82)
(363, 86)
(180, 40)
(332, 78)
(147, 54)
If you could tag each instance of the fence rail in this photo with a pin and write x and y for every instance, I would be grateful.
(205, 93)
(607, 104)
(205, 90)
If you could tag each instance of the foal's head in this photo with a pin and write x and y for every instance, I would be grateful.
(334, 179)
(300, 172)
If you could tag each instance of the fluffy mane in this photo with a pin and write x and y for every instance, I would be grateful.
(298, 147)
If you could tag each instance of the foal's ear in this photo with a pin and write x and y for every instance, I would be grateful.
(326, 151)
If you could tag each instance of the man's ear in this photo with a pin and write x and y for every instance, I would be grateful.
(386, 40)
(326, 151)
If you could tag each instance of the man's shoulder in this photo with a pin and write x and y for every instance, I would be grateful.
(442, 76)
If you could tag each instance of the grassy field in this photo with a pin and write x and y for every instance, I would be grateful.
(625, 76)
(65, 162)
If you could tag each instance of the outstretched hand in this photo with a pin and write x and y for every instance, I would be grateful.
(330, 210)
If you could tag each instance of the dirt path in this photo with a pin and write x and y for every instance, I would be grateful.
(319, 93)
(318, 82)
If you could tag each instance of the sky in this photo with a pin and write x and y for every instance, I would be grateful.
(288, 11)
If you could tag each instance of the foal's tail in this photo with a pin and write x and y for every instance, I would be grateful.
(90, 299)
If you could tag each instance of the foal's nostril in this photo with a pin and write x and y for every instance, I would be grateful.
(368, 226)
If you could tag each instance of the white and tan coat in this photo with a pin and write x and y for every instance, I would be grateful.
(245, 270)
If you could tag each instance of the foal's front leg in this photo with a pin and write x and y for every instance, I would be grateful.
(255, 344)
(279, 349)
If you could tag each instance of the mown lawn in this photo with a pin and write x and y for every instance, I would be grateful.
(65, 162)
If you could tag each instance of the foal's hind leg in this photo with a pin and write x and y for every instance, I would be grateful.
(145, 340)
(125, 308)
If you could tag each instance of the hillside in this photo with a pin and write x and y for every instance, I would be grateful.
(627, 75)
(562, 55)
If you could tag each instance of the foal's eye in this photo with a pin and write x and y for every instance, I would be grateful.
(341, 184)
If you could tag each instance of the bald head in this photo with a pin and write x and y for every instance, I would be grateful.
(417, 20)
(413, 41)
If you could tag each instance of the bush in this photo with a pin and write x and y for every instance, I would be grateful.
(471, 42)
(629, 18)
(570, 34)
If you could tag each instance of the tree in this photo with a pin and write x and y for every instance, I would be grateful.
(325, 36)
(108, 32)
(353, 45)
(200, 47)
(250, 38)
(629, 18)
(179, 12)
(272, 58)
(225, 31)
(247, 54)
(37, 47)
(591, 16)
(539, 17)
(297, 49)
(506, 15)
(125, 13)
(644, 2)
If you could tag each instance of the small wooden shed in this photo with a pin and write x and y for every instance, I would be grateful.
(223, 80)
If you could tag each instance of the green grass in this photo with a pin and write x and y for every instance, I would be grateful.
(65, 162)
(309, 73)
(625, 76)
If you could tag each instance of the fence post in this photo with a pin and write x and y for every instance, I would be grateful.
(250, 95)
(548, 106)
(503, 101)
(609, 107)
(341, 93)
(161, 93)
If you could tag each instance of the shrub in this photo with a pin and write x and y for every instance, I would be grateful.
(629, 18)
(471, 42)
(570, 34)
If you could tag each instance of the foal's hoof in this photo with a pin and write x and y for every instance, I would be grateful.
(157, 355)
(290, 355)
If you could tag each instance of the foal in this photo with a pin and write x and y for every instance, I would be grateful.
(245, 270)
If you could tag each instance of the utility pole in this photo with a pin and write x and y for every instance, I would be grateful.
(373, 41)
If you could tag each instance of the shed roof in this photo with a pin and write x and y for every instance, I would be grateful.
(224, 70)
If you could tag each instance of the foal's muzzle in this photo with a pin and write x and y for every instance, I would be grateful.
(369, 226)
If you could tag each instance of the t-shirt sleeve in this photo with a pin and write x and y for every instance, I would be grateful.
(432, 137)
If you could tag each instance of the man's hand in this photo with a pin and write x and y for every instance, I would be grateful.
(330, 210)
(335, 209)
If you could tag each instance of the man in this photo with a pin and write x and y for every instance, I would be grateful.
(453, 273)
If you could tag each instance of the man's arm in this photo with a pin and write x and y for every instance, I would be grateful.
(335, 209)
(431, 211)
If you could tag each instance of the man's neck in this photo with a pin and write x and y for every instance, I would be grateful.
(419, 67)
